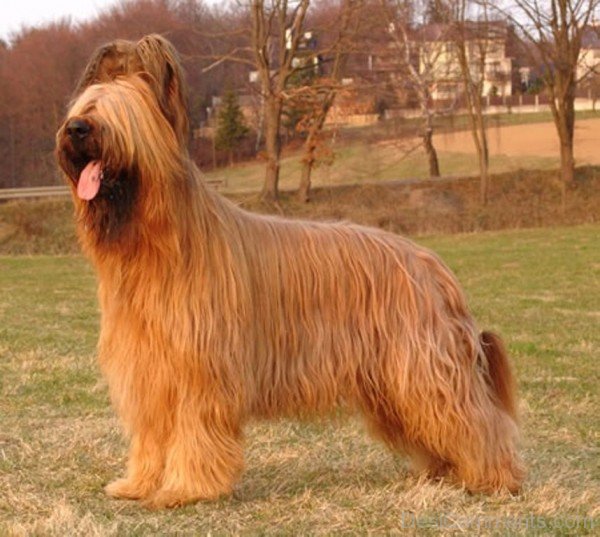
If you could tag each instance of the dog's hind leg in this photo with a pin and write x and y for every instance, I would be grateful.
(387, 426)
(487, 460)
(424, 462)
(204, 457)
(472, 444)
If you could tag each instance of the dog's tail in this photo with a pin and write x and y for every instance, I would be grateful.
(501, 378)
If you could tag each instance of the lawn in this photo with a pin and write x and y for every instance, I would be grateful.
(368, 163)
(382, 153)
(60, 443)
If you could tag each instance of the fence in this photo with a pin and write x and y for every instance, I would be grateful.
(516, 104)
(53, 191)
(33, 192)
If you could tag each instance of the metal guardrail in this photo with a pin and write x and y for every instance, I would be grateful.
(46, 191)
(33, 192)
(50, 191)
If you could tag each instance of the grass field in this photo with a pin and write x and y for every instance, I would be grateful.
(516, 142)
(60, 443)
(363, 163)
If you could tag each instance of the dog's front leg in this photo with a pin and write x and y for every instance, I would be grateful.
(204, 457)
(143, 398)
(144, 467)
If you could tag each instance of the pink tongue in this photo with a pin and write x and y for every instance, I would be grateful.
(89, 180)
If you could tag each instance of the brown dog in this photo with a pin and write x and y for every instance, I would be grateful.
(212, 316)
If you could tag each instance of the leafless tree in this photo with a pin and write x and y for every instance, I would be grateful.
(276, 50)
(319, 97)
(453, 57)
(553, 30)
(277, 29)
(471, 37)
(419, 60)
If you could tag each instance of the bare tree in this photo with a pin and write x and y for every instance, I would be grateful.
(319, 97)
(418, 62)
(451, 60)
(276, 50)
(277, 29)
(553, 30)
(314, 104)
(471, 40)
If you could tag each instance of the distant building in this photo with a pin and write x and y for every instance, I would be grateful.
(589, 55)
(305, 60)
(433, 52)
(492, 44)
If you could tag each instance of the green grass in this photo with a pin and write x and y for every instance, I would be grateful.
(60, 443)
(357, 162)
(362, 163)
(385, 151)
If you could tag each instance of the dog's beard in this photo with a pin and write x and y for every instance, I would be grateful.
(112, 199)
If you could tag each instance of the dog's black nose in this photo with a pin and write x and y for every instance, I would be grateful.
(78, 129)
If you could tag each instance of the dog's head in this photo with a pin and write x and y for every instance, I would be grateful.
(118, 150)
(153, 55)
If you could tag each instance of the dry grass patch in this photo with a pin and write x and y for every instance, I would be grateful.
(60, 443)
(519, 199)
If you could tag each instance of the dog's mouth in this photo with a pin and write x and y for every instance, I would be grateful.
(96, 180)
(79, 154)
(105, 188)
(90, 179)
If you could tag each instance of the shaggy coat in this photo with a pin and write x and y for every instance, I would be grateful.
(212, 316)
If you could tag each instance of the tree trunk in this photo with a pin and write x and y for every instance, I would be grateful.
(214, 151)
(567, 161)
(566, 131)
(308, 161)
(563, 112)
(230, 158)
(567, 170)
(305, 178)
(480, 140)
(310, 147)
(484, 158)
(434, 165)
(473, 94)
(484, 178)
(270, 191)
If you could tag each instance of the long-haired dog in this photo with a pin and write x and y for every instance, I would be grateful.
(212, 316)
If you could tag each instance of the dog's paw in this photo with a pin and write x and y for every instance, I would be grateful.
(126, 489)
(167, 499)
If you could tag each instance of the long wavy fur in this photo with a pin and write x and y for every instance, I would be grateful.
(212, 316)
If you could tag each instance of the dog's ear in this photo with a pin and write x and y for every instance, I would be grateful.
(153, 55)
(159, 58)
(107, 62)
